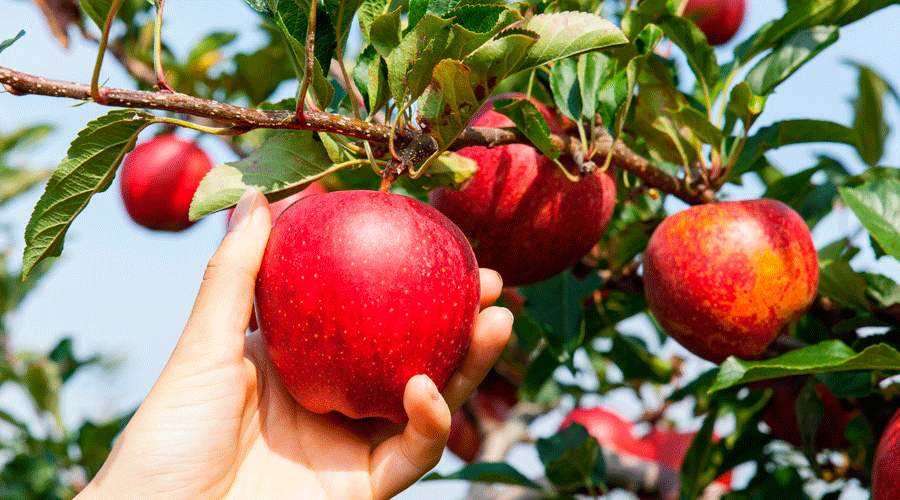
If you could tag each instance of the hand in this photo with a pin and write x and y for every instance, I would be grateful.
(218, 423)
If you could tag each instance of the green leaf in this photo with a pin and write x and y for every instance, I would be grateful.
(97, 10)
(697, 468)
(635, 361)
(556, 305)
(410, 65)
(384, 33)
(566, 34)
(539, 371)
(838, 281)
(209, 44)
(528, 119)
(14, 181)
(825, 357)
(501, 473)
(370, 75)
(700, 125)
(88, 168)
(24, 138)
(882, 289)
(591, 69)
(368, 11)
(43, 381)
(868, 117)
(458, 89)
(788, 57)
(877, 204)
(341, 13)
(573, 459)
(6, 43)
(700, 55)
(287, 163)
(566, 89)
(789, 132)
(292, 20)
(447, 170)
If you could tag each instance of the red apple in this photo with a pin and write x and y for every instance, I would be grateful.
(719, 20)
(723, 279)
(464, 439)
(611, 431)
(781, 416)
(358, 292)
(671, 447)
(525, 219)
(886, 467)
(158, 180)
(490, 403)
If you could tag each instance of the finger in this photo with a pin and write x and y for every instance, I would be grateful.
(402, 459)
(216, 326)
(492, 330)
(491, 285)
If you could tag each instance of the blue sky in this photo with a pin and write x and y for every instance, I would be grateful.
(126, 292)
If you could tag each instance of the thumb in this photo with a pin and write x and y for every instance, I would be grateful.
(216, 328)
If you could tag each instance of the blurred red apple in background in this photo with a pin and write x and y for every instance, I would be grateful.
(358, 292)
(158, 180)
(886, 468)
(525, 219)
(719, 20)
(723, 279)
(781, 416)
(489, 404)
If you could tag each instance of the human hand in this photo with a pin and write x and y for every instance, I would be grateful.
(218, 423)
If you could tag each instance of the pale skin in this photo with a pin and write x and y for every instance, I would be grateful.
(218, 423)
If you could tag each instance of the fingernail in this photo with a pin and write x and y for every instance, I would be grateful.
(241, 216)
(432, 389)
(509, 313)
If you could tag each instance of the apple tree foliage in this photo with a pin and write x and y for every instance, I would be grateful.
(42, 457)
(399, 105)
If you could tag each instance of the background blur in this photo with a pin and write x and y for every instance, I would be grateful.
(125, 292)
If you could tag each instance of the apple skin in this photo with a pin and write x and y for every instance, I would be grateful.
(525, 219)
(886, 467)
(724, 279)
(158, 180)
(719, 20)
(781, 416)
(359, 291)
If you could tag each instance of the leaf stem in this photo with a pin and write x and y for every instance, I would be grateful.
(161, 82)
(310, 59)
(101, 51)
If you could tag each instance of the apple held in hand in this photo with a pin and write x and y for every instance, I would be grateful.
(525, 219)
(719, 20)
(358, 292)
(158, 180)
(723, 279)
(886, 468)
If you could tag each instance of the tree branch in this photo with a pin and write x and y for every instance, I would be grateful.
(247, 119)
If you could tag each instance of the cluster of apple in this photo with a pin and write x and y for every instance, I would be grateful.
(389, 285)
